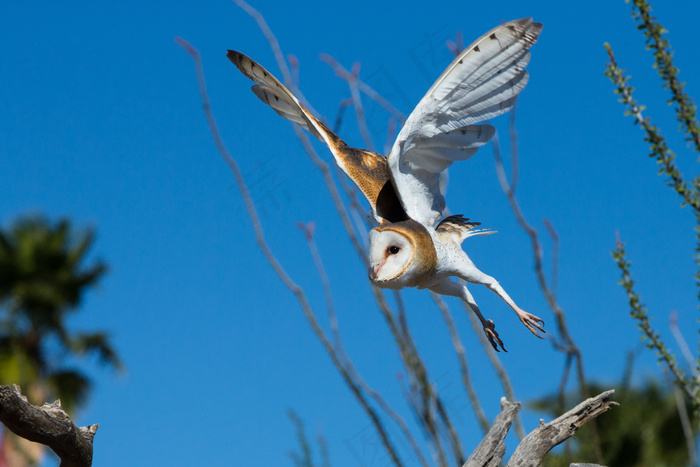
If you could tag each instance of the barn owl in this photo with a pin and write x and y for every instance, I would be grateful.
(413, 245)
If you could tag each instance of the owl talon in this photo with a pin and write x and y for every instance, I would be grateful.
(492, 335)
(530, 321)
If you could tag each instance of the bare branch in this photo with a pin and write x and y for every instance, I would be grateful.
(497, 365)
(48, 425)
(687, 426)
(514, 160)
(292, 84)
(538, 443)
(555, 255)
(344, 104)
(390, 135)
(568, 343)
(359, 108)
(333, 190)
(457, 45)
(274, 43)
(683, 345)
(364, 87)
(421, 397)
(462, 357)
(287, 75)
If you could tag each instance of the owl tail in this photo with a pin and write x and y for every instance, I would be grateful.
(460, 228)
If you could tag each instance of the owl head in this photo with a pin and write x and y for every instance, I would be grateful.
(401, 254)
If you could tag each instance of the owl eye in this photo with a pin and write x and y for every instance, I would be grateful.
(393, 250)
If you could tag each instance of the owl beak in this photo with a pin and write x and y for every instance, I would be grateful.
(374, 269)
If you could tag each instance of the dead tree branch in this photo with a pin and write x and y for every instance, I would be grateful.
(48, 425)
(538, 443)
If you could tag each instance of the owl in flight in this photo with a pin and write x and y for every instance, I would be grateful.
(413, 245)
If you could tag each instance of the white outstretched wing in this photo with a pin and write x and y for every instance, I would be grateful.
(481, 83)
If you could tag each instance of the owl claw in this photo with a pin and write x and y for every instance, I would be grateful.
(492, 335)
(530, 321)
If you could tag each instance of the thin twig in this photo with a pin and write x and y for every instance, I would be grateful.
(560, 317)
(359, 108)
(569, 345)
(537, 254)
(682, 344)
(462, 357)
(457, 45)
(344, 104)
(305, 457)
(421, 394)
(501, 372)
(277, 51)
(333, 190)
(308, 230)
(303, 137)
(359, 214)
(555, 255)
(514, 159)
(294, 69)
(364, 87)
(561, 393)
(325, 454)
(423, 398)
(687, 427)
(450, 431)
(390, 135)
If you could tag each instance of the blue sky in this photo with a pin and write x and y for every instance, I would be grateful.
(101, 121)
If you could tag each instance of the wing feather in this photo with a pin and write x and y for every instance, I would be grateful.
(368, 170)
(481, 83)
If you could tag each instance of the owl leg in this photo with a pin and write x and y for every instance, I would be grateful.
(454, 289)
(475, 276)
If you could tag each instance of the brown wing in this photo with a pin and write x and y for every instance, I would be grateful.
(368, 170)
